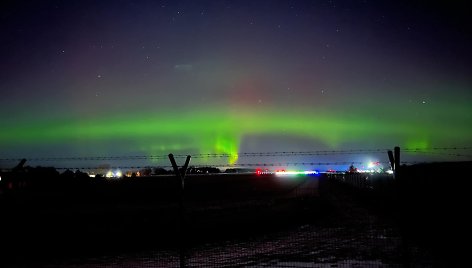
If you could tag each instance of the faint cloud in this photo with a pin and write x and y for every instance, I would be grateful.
(183, 67)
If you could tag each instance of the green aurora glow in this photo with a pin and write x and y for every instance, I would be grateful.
(221, 130)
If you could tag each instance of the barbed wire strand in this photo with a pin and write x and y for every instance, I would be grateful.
(251, 154)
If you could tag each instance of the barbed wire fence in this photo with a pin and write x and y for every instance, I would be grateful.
(161, 161)
(299, 246)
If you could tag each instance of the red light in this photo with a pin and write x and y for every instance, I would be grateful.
(258, 171)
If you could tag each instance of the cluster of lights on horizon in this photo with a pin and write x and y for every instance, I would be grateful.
(373, 167)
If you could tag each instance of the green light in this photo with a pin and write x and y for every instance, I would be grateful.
(227, 144)
(221, 130)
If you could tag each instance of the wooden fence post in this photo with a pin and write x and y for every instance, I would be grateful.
(181, 176)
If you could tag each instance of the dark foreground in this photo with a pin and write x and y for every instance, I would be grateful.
(233, 220)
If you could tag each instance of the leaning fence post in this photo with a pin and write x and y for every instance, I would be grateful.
(396, 153)
(394, 159)
(181, 176)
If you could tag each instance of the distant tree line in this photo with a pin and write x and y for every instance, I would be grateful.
(22, 176)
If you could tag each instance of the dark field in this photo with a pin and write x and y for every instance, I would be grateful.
(78, 218)
(232, 220)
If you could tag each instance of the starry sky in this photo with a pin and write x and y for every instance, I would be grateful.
(127, 78)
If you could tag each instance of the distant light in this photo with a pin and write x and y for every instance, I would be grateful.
(390, 171)
(92, 175)
(306, 172)
(260, 171)
(116, 174)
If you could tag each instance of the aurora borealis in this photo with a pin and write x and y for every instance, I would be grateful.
(117, 78)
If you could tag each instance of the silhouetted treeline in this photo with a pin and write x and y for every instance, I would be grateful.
(42, 177)
(203, 170)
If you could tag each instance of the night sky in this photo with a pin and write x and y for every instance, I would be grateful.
(146, 78)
